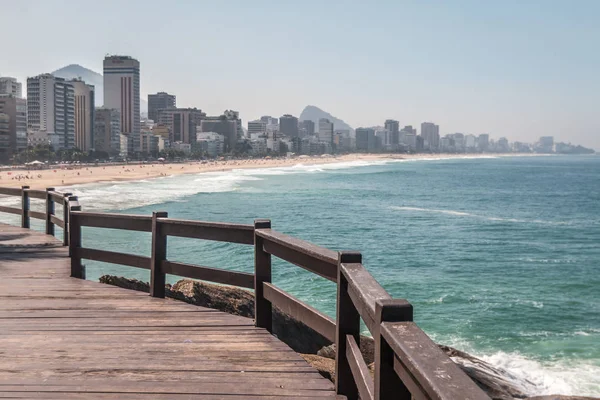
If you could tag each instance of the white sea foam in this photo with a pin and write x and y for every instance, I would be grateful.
(470, 215)
(569, 377)
(124, 195)
(130, 194)
(576, 377)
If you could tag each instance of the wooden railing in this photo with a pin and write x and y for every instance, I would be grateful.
(408, 364)
(50, 216)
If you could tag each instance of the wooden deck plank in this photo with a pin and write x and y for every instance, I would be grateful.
(65, 338)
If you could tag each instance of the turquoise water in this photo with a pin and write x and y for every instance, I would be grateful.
(499, 256)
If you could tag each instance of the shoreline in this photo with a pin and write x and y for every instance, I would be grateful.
(102, 173)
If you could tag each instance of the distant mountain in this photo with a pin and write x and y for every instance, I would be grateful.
(315, 113)
(74, 71)
(93, 78)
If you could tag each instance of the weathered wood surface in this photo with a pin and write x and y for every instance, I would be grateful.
(66, 338)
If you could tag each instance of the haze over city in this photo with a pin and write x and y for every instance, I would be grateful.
(512, 70)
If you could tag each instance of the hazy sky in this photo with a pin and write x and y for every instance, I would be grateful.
(519, 69)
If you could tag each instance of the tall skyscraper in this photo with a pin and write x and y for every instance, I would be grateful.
(13, 125)
(84, 114)
(393, 127)
(107, 130)
(430, 133)
(122, 92)
(11, 86)
(160, 101)
(51, 109)
(325, 131)
(288, 125)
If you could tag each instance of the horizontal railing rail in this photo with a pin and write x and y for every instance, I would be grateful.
(49, 215)
(408, 364)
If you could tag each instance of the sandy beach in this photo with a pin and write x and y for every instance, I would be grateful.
(56, 176)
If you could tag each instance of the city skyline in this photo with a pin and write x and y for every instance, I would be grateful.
(519, 71)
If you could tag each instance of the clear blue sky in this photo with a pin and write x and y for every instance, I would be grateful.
(519, 69)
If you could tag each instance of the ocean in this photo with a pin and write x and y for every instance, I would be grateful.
(500, 256)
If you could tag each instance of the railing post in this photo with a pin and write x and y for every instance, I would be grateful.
(348, 323)
(49, 212)
(387, 383)
(66, 218)
(158, 254)
(24, 207)
(263, 310)
(77, 270)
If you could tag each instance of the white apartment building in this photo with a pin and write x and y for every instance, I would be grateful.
(325, 131)
(11, 86)
(122, 92)
(51, 108)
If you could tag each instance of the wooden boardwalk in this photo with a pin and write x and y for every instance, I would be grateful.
(67, 338)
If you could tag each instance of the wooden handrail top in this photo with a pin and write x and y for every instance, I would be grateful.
(364, 291)
(218, 231)
(207, 224)
(142, 223)
(310, 249)
(57, 197)
(424, 367)
(36, 194)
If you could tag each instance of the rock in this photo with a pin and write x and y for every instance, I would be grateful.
(498, 383)
(325, 365)
(367, 348)
(327, 351)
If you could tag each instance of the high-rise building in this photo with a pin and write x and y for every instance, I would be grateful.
(483, 142)
(160, 101)
(470, 142)
(545, 144)
(307, 128)
(122, 92)
(325, 131)
(235, 116)
(51, 109)
(288, 125)
(267, 119)
(393, 127)
(223, 126)
(84, 114)
(13, 125)
(430, 133)
(182, 123)
(11, 86)
(365, 139)
(107, 130)
(257, 128)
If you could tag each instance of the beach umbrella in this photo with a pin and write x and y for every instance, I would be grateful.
(161, 159)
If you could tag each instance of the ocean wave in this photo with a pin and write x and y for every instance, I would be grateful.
(132, 194)
(484, 217)
(567, 377)
(570, 377)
